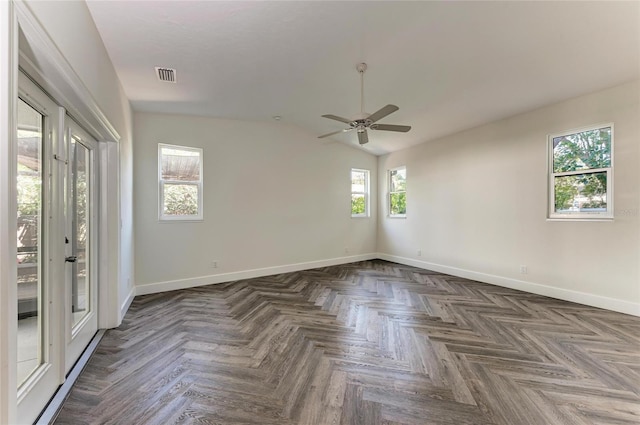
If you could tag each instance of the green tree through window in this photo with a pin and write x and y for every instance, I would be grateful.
(398, 192)
(581, 168)
(359, 193)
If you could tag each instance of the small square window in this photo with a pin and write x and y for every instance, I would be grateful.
(580, 183)
(359, 193)
(180, 183)
(398, 192)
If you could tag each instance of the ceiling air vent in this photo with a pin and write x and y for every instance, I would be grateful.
(166, 74)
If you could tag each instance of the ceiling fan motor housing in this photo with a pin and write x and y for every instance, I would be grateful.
(365, 120)
(358, 123)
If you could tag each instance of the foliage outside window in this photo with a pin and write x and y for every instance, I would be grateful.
(79, 186)
(180, 182)
(398, 192)
(359, 193)
(29, 188)
(580, 181)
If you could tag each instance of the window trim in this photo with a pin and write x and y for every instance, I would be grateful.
(389, 192)
(161, 182)
(366, 193)
(579, 216)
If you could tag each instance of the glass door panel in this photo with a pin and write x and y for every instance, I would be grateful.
(80, 243)
(79, 205)
(29, 234)
(40, 247)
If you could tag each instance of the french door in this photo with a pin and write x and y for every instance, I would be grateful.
(81, 273)
(56, 201)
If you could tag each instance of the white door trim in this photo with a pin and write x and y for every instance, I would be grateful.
(8, 272)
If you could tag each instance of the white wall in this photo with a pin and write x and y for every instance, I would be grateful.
(477, 205)
(273, 196)
(126, 288)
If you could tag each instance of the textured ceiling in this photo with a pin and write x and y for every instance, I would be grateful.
(449, 66)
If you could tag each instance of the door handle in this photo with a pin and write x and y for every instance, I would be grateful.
(71, 259)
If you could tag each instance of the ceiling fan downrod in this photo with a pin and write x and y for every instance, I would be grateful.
(361, 67)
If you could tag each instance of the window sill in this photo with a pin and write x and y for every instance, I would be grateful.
(396, 216)
(180, 220)
(587, 219)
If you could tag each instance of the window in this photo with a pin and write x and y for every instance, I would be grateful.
(180, 182)
(580, 181)
(359, 193)
(398, 192)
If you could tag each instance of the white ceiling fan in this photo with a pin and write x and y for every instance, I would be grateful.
(366, 121)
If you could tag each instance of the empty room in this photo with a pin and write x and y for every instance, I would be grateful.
(320, 212)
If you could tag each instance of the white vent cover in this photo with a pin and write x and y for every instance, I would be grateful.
(166, 74)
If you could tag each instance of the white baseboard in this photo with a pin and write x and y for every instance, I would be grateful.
(172, 285)
(127, 303)
(607, 303)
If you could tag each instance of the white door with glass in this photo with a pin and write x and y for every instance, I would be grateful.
(81, 276)
(55, 185)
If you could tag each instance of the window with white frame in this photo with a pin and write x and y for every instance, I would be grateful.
(580, 180)
(180, 182)
(359, 193)
(398, 192)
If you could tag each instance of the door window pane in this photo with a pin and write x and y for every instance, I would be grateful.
(29, 234)
(79, 208)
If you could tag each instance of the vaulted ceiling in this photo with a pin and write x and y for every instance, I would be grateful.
(449, 66)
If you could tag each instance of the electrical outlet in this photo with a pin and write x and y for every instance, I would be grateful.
(524, 270)
(346, 250)
(419, 253)
(214, 265)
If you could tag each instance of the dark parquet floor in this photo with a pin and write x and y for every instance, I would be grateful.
(365, 343)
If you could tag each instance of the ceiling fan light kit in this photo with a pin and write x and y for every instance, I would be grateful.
(366, 121)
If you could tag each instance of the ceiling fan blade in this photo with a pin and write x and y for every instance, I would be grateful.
(335, 132)
(363, 138)
(391, 127)
(378, 115)
(337, 118)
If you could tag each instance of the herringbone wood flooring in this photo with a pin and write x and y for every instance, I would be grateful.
(364, 343)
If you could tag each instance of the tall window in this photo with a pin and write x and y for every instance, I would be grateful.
(180, 182)
(359, 193)
(580, 181)
(398, 192)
